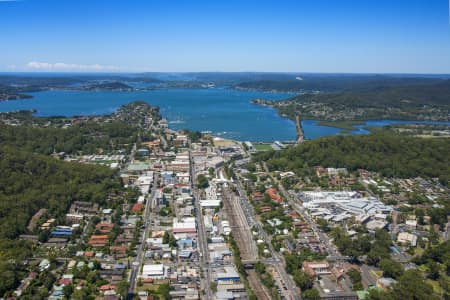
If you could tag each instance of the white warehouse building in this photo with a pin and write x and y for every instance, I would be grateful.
(155, 271)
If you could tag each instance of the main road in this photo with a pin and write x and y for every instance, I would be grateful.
(139, 260)
(201, 235)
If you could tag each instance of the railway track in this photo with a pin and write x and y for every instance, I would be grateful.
(243, 237)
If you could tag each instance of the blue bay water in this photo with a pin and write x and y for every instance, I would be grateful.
(312, 130)
(225, 112)
(361, 129)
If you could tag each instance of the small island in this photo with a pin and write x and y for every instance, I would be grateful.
(108, 86)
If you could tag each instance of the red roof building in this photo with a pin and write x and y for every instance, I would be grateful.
(63, 281)
(137, 207)
(293, 214)
(314, 268)
(98, 240)
(256, 196)
(273, 194)
(104, 227)
(99, 237)
(107, 287)
(265, 209)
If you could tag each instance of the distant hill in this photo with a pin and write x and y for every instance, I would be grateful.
(435, 93)
(109, 86)
(13, 87)
(332, 83)
(67, 80)
(394, 98)
(14, 92)
(36, 80)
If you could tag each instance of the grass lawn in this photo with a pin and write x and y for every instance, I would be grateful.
(419, 251)
(423, 268)
(154, 289)
(147, 286)
(262, 147)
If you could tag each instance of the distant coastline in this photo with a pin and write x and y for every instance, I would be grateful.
(344, 126)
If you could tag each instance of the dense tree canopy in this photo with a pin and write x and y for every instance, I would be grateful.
(85, 138)
(410, 286)
(391, 155)
(29, 182)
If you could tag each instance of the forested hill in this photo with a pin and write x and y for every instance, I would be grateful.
(108, 86)
(364, 99)
(437, 93)
(391, 155)
(86, 137)
(29, 182)
(335, 83)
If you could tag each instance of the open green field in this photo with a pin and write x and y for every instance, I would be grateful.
(262, 147)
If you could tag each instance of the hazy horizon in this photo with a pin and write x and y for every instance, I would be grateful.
(212, 72)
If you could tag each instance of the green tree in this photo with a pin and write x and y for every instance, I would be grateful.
(411, 285)
(213, 286)
(355, 275)
(211, 171)
(164, 290)
(8, 278)
(323, 224)
(433, 270)
(391, 268)
(68, 290)
(202, 181)
(311, 294)
(302, 279)
(122, 288)
(82, 294)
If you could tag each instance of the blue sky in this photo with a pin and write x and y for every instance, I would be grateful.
(359, 36)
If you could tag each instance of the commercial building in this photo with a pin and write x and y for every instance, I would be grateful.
(407, 238)
(350, 202)
(228, 275)
(210, 203)
(154, 271)
(186, 227)
(315, 268)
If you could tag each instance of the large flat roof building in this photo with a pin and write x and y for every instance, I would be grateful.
(185, 226)
(351, 202)
(229, 274)
(210, 203)
(155, 271)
